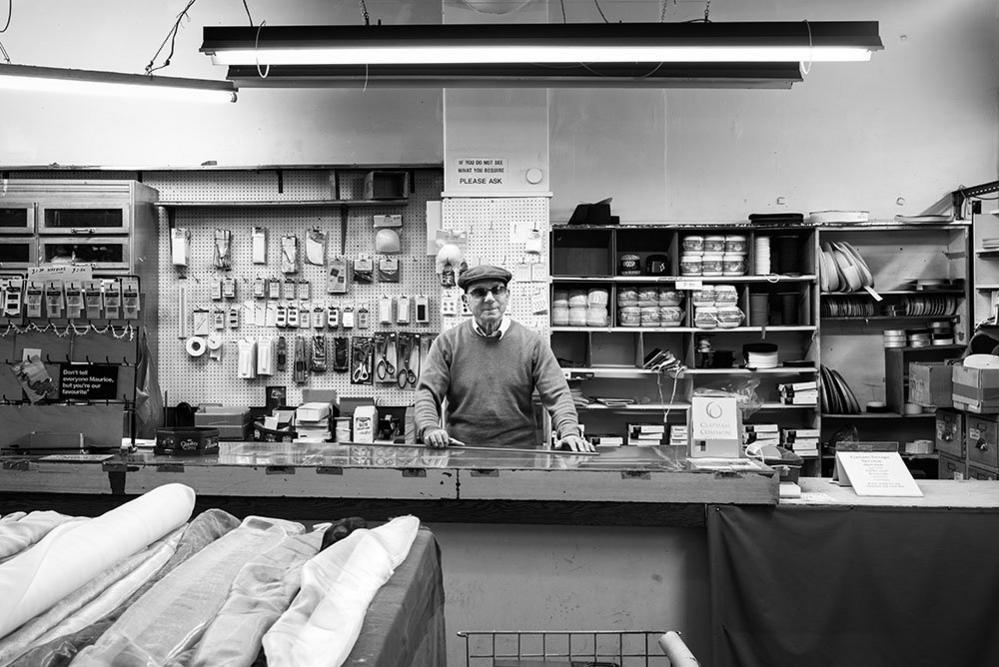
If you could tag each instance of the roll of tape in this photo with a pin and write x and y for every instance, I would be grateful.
(195, 346)
(214, 341)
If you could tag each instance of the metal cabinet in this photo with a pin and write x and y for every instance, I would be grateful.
(16, 216)
(17, 252)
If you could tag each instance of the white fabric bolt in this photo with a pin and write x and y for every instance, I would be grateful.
(16, 535)
(73, 553)
(323, 622)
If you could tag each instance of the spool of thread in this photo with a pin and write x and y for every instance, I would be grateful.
(759, 309)
(912, 409)
(789, 308)
(788, 255)
(195, 346)
(876, 406)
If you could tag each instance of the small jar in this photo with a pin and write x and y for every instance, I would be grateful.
(735, 243)
(597, 296)
(668, 297)
(560, 316)
(577, 317)
(726, 295)
(577, 299)
(704, 295)
(730, 317)
(693, 243)
(714, 244)
(670, 316)
(627, 296)
(690, 265)
(596, 316)
(706, 317)
(734, 264)
(650, 316)
(630, 265)
(629, 316)
(712, 264)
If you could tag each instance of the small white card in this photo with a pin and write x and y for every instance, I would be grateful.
(875, 474)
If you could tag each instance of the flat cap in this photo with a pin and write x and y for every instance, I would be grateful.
(483, 272)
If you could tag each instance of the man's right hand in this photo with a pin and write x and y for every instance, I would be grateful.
(436, 438)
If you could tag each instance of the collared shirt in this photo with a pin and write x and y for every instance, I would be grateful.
(504, 325)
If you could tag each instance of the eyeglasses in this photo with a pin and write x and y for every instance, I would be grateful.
(481, 292)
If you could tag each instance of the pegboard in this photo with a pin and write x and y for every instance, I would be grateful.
(204, 380)
(495, 232)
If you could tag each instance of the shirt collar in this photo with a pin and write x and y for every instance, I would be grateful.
(504, 325)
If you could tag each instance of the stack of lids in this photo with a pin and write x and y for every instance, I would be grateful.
(942, 332)
(894, 337)
(990, 244)
(919, 337)
(763, 265)
(760, 355)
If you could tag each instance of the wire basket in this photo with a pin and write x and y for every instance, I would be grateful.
(578, 648)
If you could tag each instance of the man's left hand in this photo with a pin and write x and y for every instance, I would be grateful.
(575, 443)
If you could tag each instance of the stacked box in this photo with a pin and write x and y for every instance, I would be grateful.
(232, 423)
(931, 384)
(976, 389)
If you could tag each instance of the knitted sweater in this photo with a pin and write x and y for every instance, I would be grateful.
(489, 384)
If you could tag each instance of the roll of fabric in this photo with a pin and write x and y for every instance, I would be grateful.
(323, 623)
(73, 553)
(54, 622)
(263, 589)
(20, 533)
(172, 615)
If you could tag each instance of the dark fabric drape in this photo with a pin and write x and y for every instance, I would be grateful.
(802, 585)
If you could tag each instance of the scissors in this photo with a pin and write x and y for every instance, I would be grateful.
(404, 350)
(361, 373)
(384, 370)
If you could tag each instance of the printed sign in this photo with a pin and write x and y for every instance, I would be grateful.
(489, 172)
(875, 474)
(88, 382)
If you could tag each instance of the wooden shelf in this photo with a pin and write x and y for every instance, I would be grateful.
(775, 329)
(889, 318)
(786, 406)
(991, 252)
(276, 203)
(775, 280)
(929, 347)
(782, 370)
(644, 407)
(902, 292)
(934, 455)
(879, 415)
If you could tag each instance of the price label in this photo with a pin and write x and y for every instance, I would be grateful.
(688, 284)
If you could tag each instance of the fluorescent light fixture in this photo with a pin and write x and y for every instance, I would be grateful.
(521, 75)
(53, 79)
(802, 41)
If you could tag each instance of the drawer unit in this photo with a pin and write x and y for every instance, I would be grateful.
(17, 252)
(107, 253)
(974, 472)
(982, 441)
(94, 214)
(17, 217)
(950, 433)
(949, 467)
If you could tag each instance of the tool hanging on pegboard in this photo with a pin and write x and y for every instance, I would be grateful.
(361, 356)
(341, 354)
(319, 354)
(300, 374)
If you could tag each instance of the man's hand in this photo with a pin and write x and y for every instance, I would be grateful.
(575, 443)
(436, 438)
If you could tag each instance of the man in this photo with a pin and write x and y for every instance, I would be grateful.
(488, 368)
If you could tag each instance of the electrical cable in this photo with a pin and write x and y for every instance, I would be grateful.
(171, 36)
(561, 3)
(364, 13)
(10, 14)
(602, 15)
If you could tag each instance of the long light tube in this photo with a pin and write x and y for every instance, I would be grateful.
(543, 43)
(53, 79)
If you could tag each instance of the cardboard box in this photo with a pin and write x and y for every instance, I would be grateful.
(975, 389)
(931, 384)
(232, 423)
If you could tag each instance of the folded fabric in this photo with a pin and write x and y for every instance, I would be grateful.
(263, 589)
(170, 618)
(73, 553)
(323, 622)
(18, 534)
(204, 529)
(55, 619)
(13, 516)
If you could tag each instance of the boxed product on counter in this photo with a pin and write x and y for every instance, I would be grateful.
(931, 384)
(233, 423)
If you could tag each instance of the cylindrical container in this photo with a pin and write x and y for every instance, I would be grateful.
(629, 316)
(648, 296)
(342, 429)
(735, 243)
(729, 317)
(787, 255)
(670, 316)
(734, 264)
(712, 264)
(656, 265)
(650, 316)
(894, 337)
(759, 309)
(789, 308)
(705, 317)
(629, 265)
(726, 295)
(762, 266)
(694, 243)
(714, 244)
(704, 295)
(596, 316)
(577, 317)
(597, 296)
(577, 299)
(690, 264)
(669, 297)
(560, 316)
